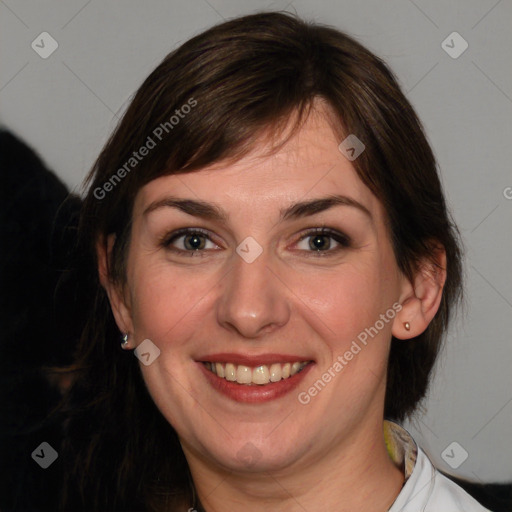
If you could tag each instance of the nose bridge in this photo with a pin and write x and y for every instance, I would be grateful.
(253, 301)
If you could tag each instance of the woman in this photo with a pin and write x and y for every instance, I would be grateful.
(267, 232)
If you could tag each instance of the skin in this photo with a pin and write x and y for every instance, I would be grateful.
(289, 300)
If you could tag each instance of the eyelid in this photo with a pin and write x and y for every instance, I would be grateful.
(343, 241)
(341, 238)
(170, 237)
(323, 230)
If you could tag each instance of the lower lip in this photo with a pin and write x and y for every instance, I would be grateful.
(255, 393)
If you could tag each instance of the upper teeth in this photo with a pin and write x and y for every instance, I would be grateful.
(262, 374)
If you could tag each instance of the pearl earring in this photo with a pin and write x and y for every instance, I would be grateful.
(407, 326)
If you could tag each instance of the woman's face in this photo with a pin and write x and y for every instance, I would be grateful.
(254, 286)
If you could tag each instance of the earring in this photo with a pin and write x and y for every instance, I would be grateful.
(407, 326)
(124, 343)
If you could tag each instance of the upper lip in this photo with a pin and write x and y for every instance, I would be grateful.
(253, 360)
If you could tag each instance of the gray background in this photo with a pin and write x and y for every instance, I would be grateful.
(65, 106)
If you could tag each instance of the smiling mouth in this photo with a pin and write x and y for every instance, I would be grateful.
(260, 375)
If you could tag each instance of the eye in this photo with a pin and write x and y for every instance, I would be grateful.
(190, 241)
(193, 242)
(319, 241)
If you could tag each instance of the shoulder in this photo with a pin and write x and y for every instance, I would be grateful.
(427, 490)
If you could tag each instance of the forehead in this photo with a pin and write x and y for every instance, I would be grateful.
(309, 165)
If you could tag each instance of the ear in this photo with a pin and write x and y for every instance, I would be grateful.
(420, 300)
(121, 308)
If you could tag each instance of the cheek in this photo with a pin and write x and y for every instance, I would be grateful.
(350, 303)
(349, 299)
(163, 298)
(166, 308)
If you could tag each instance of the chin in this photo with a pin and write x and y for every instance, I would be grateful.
(249, 456)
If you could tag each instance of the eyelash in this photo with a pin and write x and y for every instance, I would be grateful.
(343, 241)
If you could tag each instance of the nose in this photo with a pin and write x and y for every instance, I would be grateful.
(254, 301)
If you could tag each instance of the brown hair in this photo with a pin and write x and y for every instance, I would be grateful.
(241, 78)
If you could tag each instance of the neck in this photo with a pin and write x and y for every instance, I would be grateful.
(353, 475)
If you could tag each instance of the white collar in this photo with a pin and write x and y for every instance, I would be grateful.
(425, 488)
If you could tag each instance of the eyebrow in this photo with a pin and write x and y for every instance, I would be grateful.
(210, 211)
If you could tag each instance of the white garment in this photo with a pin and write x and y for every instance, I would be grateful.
(426, 489)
